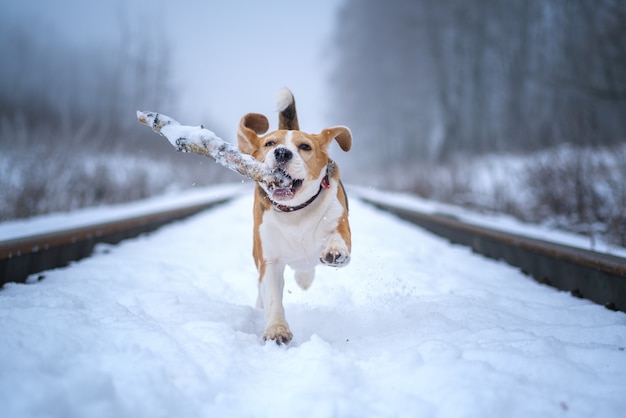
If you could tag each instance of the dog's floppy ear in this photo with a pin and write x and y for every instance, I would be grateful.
(250, 127)
(341, 134)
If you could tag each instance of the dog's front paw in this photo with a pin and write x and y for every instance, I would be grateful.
(335, 257)
(279, 333)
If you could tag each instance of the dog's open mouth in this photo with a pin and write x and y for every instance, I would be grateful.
(288, 187)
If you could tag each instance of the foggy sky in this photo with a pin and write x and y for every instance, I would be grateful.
(230, 57)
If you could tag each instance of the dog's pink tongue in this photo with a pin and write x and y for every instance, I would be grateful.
(282, 194)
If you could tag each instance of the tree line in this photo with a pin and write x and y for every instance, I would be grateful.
(69, 137)
(85, 94)
(431, 80)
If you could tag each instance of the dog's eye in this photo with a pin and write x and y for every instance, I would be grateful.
(305, 147)
(270, 143)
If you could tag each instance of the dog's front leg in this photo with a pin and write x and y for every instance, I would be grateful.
(336, 252)
(271, 297)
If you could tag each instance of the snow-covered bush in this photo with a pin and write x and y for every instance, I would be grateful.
(43, 172)
(579, 189)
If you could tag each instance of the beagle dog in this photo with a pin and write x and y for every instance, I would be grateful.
(299, 225)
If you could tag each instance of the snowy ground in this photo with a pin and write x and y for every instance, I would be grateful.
(164, 326)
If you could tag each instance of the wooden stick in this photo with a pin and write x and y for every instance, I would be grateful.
(199, 140)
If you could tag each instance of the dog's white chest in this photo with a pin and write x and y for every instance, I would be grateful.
(298, 238)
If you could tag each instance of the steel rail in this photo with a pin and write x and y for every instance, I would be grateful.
(26, 256)
(587, 274)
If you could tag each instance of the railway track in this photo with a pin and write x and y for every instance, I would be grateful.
(587, 274)
(25, 256)
(595, 276)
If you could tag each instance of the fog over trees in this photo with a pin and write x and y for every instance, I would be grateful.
(429, 80)
(87, 91)
(506, 106)
(440, 97)
(69, 137)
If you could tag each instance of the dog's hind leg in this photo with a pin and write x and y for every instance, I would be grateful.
(304, 278)
(259, 299)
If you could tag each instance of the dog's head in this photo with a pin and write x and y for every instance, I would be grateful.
(301, 156)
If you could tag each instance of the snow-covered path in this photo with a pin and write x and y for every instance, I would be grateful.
(164, 326)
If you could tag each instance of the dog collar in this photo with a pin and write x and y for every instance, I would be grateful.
(325, 184)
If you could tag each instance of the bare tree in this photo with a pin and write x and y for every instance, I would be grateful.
(479, 77)
(82, 96)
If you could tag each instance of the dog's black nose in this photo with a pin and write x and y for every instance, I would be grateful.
(282, 155)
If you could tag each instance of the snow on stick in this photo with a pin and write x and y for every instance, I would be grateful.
(202, 141)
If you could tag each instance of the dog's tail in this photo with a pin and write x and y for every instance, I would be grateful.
(286, 108)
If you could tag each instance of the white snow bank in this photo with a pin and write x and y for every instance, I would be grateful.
(64, 220)
(164, 326)
(498, 222)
